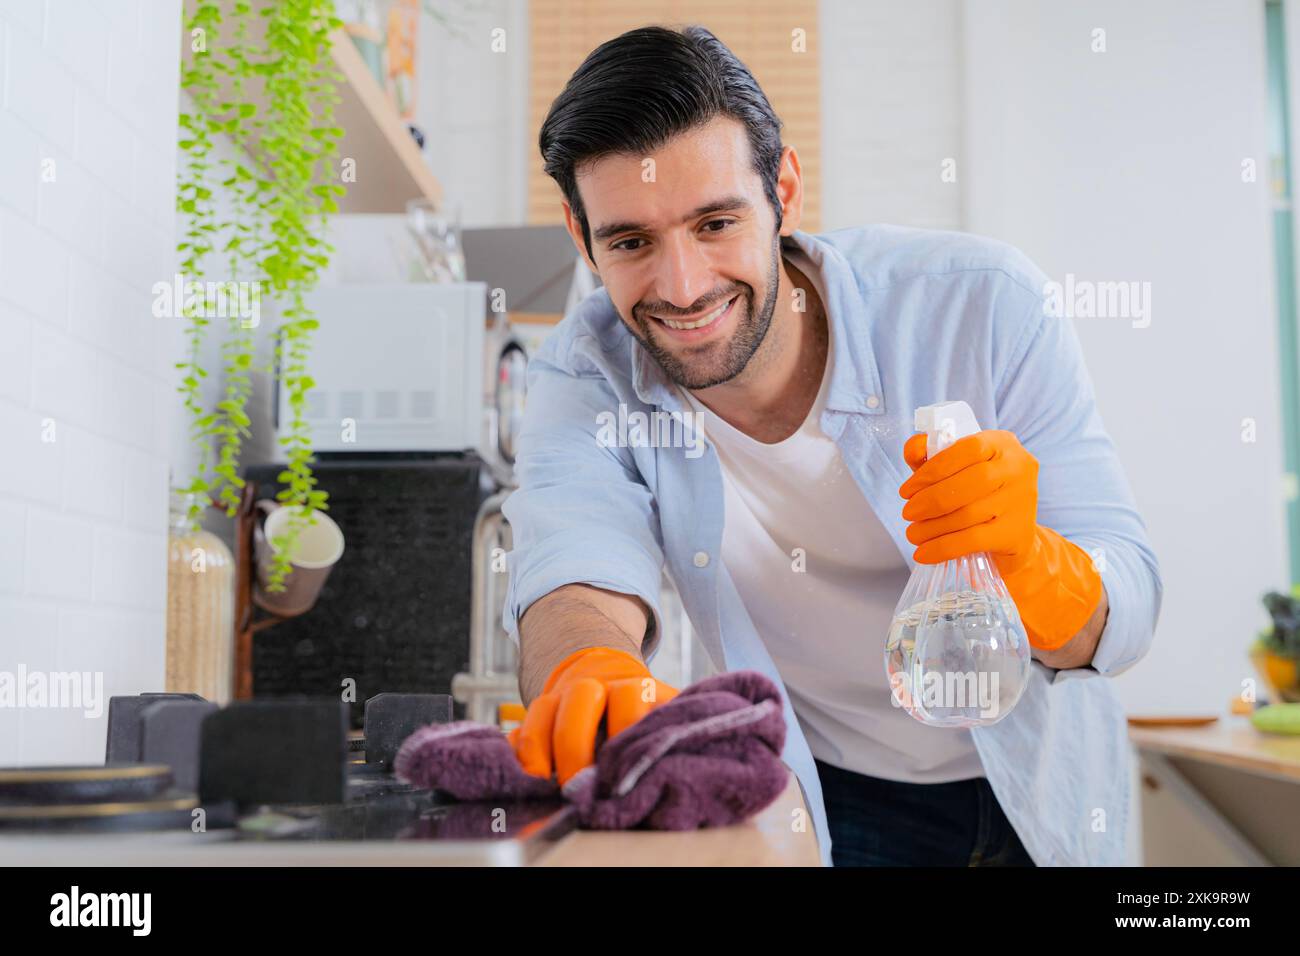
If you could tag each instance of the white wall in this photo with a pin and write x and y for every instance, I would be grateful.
(91, 88)
(472, 104)
(1126, 165)
(1123, 165)
(891, 112)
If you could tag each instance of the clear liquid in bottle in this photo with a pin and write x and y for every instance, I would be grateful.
(957, 654)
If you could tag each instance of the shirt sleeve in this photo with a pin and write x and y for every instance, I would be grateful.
(582, 513)
(1045, 397)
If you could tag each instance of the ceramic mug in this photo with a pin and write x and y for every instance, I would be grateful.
(320, 546)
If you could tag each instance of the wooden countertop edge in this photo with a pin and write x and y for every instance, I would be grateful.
(1231, 742)
(770, 838)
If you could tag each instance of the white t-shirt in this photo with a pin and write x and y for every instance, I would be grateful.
(825, 627)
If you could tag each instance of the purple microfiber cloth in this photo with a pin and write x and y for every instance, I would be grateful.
(470, 761)
(709, 757)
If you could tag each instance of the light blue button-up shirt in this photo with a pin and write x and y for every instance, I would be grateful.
(919, 317)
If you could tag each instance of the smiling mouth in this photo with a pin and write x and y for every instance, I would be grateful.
(709, 318)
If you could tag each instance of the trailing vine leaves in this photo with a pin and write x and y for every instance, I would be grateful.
(279, 188)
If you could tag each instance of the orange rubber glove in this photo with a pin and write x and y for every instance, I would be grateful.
(981, 494)
(561, 725)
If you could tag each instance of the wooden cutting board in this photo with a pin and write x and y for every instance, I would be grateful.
(1172, 721)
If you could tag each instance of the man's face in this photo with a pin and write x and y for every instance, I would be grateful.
(686, 244)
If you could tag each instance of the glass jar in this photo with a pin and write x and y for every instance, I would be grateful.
(440, 255)
(200, 608)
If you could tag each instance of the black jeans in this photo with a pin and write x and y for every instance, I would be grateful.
(875, 822)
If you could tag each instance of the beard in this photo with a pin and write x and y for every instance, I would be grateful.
(718, 362)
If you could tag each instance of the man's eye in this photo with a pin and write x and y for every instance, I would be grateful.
(624, 247)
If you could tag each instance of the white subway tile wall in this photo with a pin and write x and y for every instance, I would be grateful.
(88, 106)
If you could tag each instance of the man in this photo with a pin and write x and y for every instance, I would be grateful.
(791, 524)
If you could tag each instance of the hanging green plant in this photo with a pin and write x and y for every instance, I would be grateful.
(267, 208)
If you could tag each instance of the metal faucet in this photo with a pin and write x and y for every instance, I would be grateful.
(493, 670)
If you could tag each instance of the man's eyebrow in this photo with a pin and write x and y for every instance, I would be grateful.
(726, 204)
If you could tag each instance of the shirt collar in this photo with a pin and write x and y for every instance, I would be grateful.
(854, 379)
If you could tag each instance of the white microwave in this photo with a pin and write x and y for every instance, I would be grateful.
(409, 367)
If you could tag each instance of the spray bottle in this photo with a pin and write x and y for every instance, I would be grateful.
(957, 654)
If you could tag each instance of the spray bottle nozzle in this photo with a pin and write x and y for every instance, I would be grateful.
(944, 423)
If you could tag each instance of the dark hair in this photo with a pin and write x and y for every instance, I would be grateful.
(635, 92)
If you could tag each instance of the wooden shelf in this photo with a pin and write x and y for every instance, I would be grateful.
(390, 169)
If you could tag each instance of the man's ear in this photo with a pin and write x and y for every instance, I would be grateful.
(789, 191)
(575, 233)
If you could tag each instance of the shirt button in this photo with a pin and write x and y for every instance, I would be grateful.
(873, 401)
(701, 559)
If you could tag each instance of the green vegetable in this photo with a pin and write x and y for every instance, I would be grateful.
(1277, 719)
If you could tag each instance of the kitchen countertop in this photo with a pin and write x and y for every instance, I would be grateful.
(767, 839)
(1231, 741)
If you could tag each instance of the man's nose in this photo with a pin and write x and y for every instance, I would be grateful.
(685, 273)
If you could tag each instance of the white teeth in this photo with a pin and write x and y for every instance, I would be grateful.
(698, 322)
